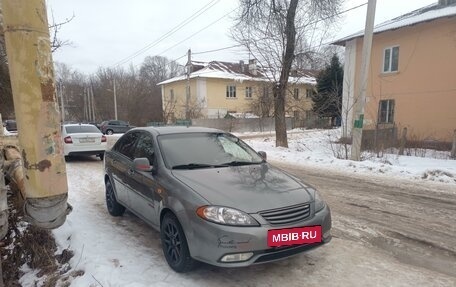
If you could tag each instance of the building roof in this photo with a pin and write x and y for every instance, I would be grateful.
(424, 14)
(238, 72)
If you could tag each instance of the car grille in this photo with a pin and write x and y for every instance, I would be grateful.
(287, 215)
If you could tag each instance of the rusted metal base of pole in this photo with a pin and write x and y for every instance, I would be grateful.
(47, 212)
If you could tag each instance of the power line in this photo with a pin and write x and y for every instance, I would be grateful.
(199, 31)
(216, 50)
(340, 13)
(239, 45)
(169, 33)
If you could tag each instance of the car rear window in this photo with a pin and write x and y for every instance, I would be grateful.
(81, 129)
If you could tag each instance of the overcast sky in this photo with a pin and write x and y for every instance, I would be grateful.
(104, 32)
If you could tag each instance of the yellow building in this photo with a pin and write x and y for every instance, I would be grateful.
(217, 88)
(412, 74)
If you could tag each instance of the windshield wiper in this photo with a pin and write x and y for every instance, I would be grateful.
(237, 163)
(197, 165)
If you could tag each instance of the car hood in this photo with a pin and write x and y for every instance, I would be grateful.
(250, 188)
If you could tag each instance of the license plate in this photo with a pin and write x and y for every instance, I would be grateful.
(87, 140)
(294, 236)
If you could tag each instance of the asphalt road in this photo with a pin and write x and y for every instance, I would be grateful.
(413, 222)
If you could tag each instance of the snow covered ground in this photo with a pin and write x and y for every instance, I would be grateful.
(316, 148)
(125, 251)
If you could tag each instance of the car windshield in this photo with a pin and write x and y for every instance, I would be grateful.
(204, 150)
(81, 129)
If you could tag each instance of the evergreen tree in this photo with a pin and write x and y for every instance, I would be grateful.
(327, 102)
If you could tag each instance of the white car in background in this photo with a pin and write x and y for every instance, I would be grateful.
(83, 139)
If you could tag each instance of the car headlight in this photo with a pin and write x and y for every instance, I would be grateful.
(319, 202)
(226, 216)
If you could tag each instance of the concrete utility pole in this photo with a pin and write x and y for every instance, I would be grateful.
(115, 99)
(363, 78)
(187, 90)
(45, 187)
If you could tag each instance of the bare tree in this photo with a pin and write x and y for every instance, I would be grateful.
(6, 95)
(270, 30)
(154, 70)
(54, 29)
(71, 85)
(263, 104)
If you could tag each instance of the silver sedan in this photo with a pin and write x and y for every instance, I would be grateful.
(213, 198)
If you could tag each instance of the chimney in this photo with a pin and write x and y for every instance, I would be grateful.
(252, 67)
(241, 64)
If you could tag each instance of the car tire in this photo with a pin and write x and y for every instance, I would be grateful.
(174, 245)
(114, 207)
(67, 158)
(101, 156)
(109, 132)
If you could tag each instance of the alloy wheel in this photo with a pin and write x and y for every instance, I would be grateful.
(172, 242)
(110, 200)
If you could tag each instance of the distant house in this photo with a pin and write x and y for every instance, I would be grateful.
(220, 88)
(412, 80)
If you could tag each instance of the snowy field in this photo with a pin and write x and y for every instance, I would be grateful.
(316, 148)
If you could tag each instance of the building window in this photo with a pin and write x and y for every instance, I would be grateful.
(391, 59)
(296, 94)
(248, 92)
(386, 112)
(231, 91)
(309, 93)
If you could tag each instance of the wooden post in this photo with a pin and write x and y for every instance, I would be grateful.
(453, 150)
(403, 141)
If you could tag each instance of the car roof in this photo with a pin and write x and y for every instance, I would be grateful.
(76, 125)
(178, 130)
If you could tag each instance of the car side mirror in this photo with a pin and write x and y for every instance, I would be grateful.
(142, 164)
(263, 155)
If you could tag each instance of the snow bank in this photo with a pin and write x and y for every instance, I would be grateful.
(317, 148)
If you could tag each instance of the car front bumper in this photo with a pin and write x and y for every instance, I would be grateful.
(210, 242)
